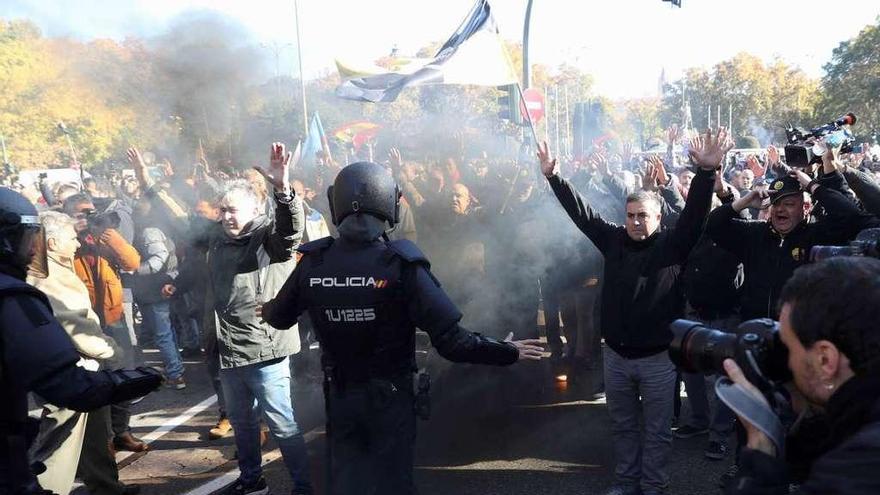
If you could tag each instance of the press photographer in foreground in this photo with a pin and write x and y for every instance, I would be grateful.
(828, 321)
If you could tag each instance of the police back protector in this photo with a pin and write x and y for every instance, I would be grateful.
(355, 297)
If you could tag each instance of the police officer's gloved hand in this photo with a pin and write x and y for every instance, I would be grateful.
(131, 384)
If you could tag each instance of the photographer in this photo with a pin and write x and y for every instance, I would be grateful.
(828, 320)
(103, 253)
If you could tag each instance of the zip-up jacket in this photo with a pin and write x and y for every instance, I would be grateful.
(641, 295)
(770, 258)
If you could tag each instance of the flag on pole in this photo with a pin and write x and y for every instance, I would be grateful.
(474, 54)
(316, 141)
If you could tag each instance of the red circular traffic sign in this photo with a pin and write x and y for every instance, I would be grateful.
(534, 103)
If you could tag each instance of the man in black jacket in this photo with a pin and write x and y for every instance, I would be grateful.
(828, 322)
(771, 251)
(640, 297)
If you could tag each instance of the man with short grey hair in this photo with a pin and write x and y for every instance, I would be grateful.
(250, 256)
(640, 298)
(68, 438)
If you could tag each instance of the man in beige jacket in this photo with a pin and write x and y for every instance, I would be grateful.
(63, 431)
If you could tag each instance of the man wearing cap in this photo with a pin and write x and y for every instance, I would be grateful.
(771, 250)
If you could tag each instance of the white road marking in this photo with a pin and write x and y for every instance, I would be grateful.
(229, 477)
(171, 424)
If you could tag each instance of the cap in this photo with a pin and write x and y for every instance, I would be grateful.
(782, 187)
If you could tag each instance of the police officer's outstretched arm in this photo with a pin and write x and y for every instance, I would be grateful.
(39, 356)
(432, 311)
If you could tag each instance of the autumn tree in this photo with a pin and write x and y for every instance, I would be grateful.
(852, 80)
(763, 97)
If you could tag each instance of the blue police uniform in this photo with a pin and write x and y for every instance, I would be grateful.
(37, 355)
(366, 300)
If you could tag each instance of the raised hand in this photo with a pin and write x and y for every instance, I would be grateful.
(135, 159)
(626, 153)
(394, 156)
(167, 169)
(600, 161)
(708, 152)
(802, 178)
(660, 171)
(655, 175)
(137, 163)
(672, 134)
(756, 198)
(772, 156)
(549, 167)
(528, 349)
(279, 168)
(755, 165)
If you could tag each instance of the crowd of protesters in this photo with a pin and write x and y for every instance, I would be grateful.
(178, 259)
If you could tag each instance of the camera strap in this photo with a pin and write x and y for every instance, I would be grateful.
(754, 410)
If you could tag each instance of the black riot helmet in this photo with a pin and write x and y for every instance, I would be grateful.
(22, 241)
(364, 187)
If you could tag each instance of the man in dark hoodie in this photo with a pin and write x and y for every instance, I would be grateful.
(365, 297)
(640, 298)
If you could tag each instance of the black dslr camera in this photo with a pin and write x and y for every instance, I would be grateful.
(799, 150)
(867, 243)
(755, 346)
(99, 222)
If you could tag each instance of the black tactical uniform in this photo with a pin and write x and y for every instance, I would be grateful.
(38, 355)
(366, 296)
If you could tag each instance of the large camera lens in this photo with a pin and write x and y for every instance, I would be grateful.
(700, 349)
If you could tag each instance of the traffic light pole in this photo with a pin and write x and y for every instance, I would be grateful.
(527, 116)
(526, 67)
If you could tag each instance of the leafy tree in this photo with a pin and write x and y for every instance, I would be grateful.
(852, 80)
(763, 98)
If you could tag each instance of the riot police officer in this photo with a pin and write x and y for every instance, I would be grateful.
(366, 296)
(36, 354)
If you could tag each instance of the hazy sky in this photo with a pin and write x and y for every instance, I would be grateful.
(623, 43)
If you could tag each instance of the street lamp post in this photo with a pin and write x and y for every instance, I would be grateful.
(302, 79)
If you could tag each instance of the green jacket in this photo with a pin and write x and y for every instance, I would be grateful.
(246, 271)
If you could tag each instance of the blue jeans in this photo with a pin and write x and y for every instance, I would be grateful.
(265, 387)
(640, 391)
(157, 319)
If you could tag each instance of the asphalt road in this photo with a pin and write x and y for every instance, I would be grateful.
(493, 431)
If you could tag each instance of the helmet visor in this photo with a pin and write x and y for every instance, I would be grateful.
(32, 247)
